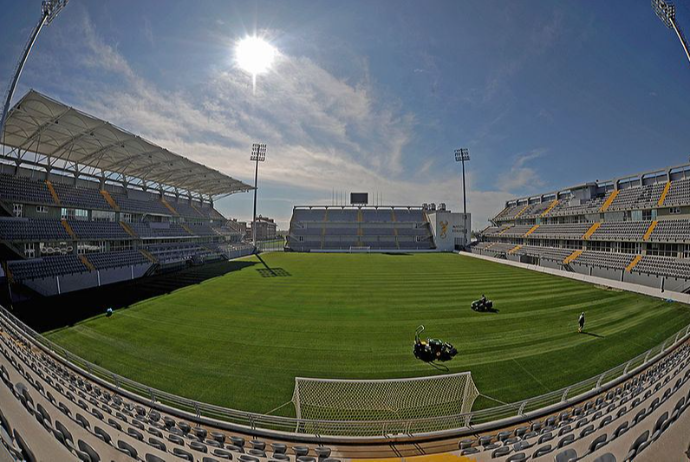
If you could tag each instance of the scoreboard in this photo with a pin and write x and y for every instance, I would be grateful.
(359, 198)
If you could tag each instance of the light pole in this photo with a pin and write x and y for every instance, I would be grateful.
(462, 155)
(49, 10)
(666, 11)
(258, 155)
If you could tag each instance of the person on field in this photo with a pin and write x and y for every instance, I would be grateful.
(581, 322)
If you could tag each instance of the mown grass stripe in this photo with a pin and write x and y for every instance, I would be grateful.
(240, 339)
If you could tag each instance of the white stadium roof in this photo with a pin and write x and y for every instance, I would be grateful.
(44, 126)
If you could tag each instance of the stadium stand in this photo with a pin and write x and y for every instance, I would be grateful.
(63, 229)
(635, 229)
(344, 228)
(53, 408)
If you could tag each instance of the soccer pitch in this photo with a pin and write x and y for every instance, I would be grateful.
(239, 340)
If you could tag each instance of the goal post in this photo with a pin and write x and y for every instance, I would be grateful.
(360, 248)
(384, 400)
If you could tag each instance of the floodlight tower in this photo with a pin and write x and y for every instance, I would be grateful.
(462, 155)
(666, 11)
(258, 155)
(49, 11)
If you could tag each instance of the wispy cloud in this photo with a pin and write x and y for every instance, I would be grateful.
(323, 132)
(521, 177)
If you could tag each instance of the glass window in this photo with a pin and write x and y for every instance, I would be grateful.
(30, 250)
(100, 215)
(41, 209)
(75, 214)
(662, 250)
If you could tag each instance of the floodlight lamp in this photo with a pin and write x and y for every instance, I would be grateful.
(258, 152)
(666, 11)
(462, 154)
(51, 8)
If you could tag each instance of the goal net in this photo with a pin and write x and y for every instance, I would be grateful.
(360, 248)
(387, 400)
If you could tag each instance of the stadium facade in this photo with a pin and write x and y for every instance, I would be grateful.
(84, 203)
(377, 228)
(633, 229)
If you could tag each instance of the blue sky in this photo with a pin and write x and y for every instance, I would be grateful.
(374, 96)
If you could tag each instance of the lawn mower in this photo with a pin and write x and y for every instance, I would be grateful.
(432, 349)
(482, 305)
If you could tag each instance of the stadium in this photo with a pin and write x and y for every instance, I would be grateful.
(140, 321)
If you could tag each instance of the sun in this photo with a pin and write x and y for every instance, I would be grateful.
(254, 55)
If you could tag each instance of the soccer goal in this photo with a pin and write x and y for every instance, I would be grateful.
(414, 399)
(360, 249)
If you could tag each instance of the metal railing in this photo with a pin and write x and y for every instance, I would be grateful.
(349, 431)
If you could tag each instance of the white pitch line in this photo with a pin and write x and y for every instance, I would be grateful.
(530, 374)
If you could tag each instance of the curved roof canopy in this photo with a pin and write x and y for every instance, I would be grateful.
(42, 125)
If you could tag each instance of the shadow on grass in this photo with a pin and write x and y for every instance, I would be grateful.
(269, 272)
(48, 313)
(273, 273)
(593, 334)
(489, 310)
(398, 254)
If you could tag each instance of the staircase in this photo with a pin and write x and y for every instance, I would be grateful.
(610, 200)
(514, 249)
(169, 207)
(197, 210)
(109, 199)
(633, 263)
(572, 257)
(522, 211)
(128, 229)
(187, 228)
(592, 229)
(664, 193)
(531, 230)
(650, 230)
(69, 229)
(551, 207)
(148, 256)
(87, 263)
(52, 191)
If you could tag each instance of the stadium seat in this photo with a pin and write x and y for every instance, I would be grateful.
(542, 451)
(566, 440)
(519, 457)
(608, 457)
(566, 456)
(501, 452)
(322, 452)
(632, 452)
(87, 449)
(127, 448)
(153, 458)
(182, 454)
(300, 450)
(597, 442)
(157, 444)
(222, 454)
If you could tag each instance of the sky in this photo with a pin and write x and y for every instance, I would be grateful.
(374, 96)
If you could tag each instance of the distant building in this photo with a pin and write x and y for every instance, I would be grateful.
(238, 226)
(265, 229)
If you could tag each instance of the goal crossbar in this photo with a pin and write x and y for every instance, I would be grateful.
(384, 399)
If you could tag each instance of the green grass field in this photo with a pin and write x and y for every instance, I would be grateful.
(240, 339)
